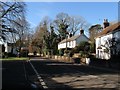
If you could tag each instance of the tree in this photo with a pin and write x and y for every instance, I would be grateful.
(76, 23)
(69, 25)
(10, 13)
(41, 31)
(93, 31)
(51, 42)
(22, 32)
(83, 48)
(61, 24)
(13, 23)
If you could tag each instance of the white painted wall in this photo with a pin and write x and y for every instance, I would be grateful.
(8, 49)
(70, 44)
(98, 43)
(62, 45)
(73, 43)
(100, 53)
(101, 41)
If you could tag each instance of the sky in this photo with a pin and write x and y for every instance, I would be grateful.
(92, 12)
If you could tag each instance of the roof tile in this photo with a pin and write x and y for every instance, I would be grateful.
(109, 29)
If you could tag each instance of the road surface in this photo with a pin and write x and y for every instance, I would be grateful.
(50, 74)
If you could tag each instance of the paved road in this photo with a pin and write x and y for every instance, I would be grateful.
(15, 75)
(66, 75)
(49, 74)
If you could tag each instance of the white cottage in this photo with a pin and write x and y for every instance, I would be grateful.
(8, 47)
(73, 41)
(108, 41)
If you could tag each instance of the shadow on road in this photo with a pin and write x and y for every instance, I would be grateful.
(14, 75)
(20, 74)
(55, 67)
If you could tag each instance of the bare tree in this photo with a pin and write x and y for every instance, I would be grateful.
(11, 12)
(69, 25)
(41, 30)
(61, 24)
(13, 24)
(22, 31)
(77, 22)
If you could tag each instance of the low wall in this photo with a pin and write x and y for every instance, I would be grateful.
(70, 59)
(88, 61)
(62, 58)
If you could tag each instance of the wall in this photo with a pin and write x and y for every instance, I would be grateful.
(70, 44)
(8, 49)
(81, 38)
(100, 53)
(73, 43)
(101, 42)
(116, 35)
(62, 45)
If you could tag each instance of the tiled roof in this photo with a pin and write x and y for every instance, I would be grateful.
(71, 39)
(109, 29)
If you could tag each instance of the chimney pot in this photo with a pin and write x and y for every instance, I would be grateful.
(106, 23)
(81, 31)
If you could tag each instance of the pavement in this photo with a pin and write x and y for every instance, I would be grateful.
(50, 74)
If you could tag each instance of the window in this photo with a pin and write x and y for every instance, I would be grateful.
(69, 43)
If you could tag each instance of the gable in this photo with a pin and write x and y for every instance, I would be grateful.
(82, 38)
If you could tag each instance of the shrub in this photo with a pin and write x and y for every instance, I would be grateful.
(61, 52)
(92, 47)
(11, 55)
(66, 51)
(24, 53)
(71, 53)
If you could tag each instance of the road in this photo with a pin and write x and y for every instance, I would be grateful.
(49, 74)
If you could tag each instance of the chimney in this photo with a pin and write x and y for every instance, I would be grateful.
(106, 23)
(81, 31)
(69, 35)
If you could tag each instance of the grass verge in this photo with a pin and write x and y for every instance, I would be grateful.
(15, 58)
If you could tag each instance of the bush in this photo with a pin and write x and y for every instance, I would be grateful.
(66, 51)
(92, 47)
(11, 55)
(71, 53)
(76, 60)
(61, 52)
(5, 55)
(24, 53)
